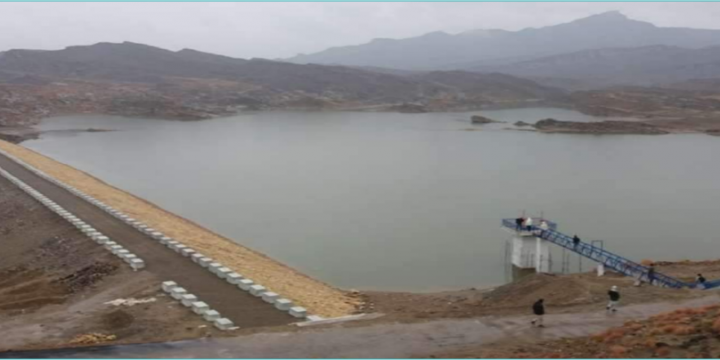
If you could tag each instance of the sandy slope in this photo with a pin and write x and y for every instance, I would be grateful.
(318, 297)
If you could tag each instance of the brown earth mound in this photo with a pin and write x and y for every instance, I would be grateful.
(685, 333)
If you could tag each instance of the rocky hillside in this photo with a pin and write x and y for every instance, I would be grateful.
(140, 80)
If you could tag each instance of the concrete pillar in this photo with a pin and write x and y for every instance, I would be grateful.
(601, 270)
(542, 256)
(529, 252)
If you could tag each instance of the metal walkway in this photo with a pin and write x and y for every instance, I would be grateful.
(609, 260)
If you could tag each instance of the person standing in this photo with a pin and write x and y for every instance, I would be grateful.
(651, 273)
(519, 223)
(576, 241)
(614, 295)
(700, 281)
(528, 223)
(539, 311)
(543, 227)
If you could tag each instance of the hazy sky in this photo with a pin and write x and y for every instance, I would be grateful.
(272, 30)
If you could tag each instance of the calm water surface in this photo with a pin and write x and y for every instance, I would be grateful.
(406, 201)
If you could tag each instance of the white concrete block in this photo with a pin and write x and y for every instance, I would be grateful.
(188, 299)
(156, 235)
(200, 307)
(178, 292)
(179, 248)
(205, 261)
(93, 234)
(314, 318)
(233, 278)
(211, 315)
(298, 312)
(245, 284)
(171, 244)
(128, 258)
(214, 267)
(257, 290)
(187, 252)
(283, 304)
(167, 286)
(102, 240)
(149, 230)
(196, 257)
(137, 264)
(115, 248)
(223, 272)
(224, 324)
(122, 253)
(164, 240)
(270, 297)
(108, 244)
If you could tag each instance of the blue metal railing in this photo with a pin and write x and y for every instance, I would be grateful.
(608, 259)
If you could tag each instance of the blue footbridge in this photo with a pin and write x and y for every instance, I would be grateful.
(610, 260)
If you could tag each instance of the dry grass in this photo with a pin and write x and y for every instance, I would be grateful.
(318, 297)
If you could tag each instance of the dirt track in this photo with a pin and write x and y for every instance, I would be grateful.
(239, 306)
(433, 338)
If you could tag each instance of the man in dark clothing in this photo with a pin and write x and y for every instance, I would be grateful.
(576, 241)
(614, 295)
(701, 281)
(518, 223)
(651, 274)
(539, 310)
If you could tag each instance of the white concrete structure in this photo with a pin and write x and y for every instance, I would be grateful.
(200, 307)
(188, 299)
(257, 290)
(530, 252)
(298, 312)
(224, 324)
(167, 286)
(233, 278)
(137, 264)
(283, 304)
(211, 315)
(245, 284)
(270, 297)
(178, 292)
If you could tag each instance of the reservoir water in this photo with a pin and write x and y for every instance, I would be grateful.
(405, 201)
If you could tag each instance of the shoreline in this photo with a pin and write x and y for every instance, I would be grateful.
(318, 297)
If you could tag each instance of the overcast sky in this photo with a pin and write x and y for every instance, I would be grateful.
(274, 30)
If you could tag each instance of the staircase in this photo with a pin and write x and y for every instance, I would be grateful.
(609, 260)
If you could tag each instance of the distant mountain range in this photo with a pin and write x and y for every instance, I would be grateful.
(600, 50)
(643, 66)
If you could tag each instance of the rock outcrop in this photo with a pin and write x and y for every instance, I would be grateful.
(600, 127)
(477, 119)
